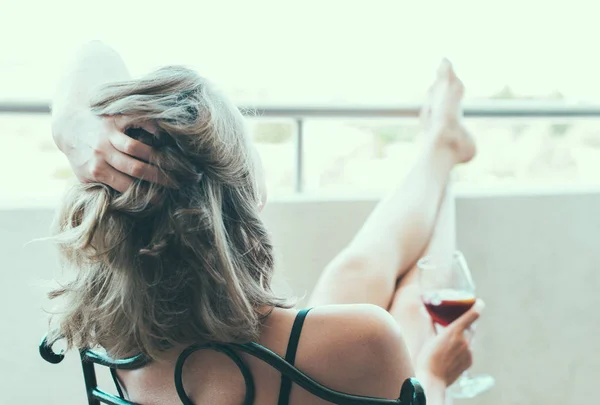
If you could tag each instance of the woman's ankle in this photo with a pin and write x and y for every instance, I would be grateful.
(441, 156)
(455, 139)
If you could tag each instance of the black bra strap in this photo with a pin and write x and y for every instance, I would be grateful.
(290, 356)
(117, 381)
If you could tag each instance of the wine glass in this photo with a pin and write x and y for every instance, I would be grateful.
(448, 291)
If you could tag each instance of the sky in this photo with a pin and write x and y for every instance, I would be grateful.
(315, 51)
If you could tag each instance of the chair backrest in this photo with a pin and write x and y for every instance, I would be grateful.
(411, 392)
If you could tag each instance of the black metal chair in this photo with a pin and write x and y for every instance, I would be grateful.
(411, 392)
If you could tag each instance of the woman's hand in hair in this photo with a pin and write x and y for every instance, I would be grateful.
(99, 151)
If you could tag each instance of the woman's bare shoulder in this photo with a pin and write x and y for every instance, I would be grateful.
(356, 349)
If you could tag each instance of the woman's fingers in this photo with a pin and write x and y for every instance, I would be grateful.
(466, 320)
(104, 173)
(130, 156)
(130, 146)
(133, 167)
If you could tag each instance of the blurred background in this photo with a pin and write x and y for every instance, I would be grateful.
(332, 89)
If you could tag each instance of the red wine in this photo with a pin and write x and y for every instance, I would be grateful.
(446, 306)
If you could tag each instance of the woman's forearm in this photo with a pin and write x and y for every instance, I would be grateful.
(94, 64)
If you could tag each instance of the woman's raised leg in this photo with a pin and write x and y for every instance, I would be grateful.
(398, 231)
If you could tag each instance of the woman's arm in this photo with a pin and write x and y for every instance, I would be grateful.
(96, 147)
(94, 65)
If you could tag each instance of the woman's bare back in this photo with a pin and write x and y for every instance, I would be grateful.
(356, 349)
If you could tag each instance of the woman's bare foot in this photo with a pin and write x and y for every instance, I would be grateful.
(442, 115)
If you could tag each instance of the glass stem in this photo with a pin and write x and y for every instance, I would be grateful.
(470, 335)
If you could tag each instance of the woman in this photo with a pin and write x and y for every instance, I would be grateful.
(168, 247)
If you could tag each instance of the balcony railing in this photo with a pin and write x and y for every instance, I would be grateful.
(487, 109)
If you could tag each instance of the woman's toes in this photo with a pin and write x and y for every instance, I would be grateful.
(458, 89)
(452, 74)
(444, 69)
(446, 72)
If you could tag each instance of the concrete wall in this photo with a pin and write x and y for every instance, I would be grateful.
(534, 258)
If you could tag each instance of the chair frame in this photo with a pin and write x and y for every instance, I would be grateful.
(411, 392)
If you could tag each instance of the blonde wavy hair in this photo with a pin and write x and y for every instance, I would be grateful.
(160, 266)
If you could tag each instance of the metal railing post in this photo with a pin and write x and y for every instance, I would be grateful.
(299, 163)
